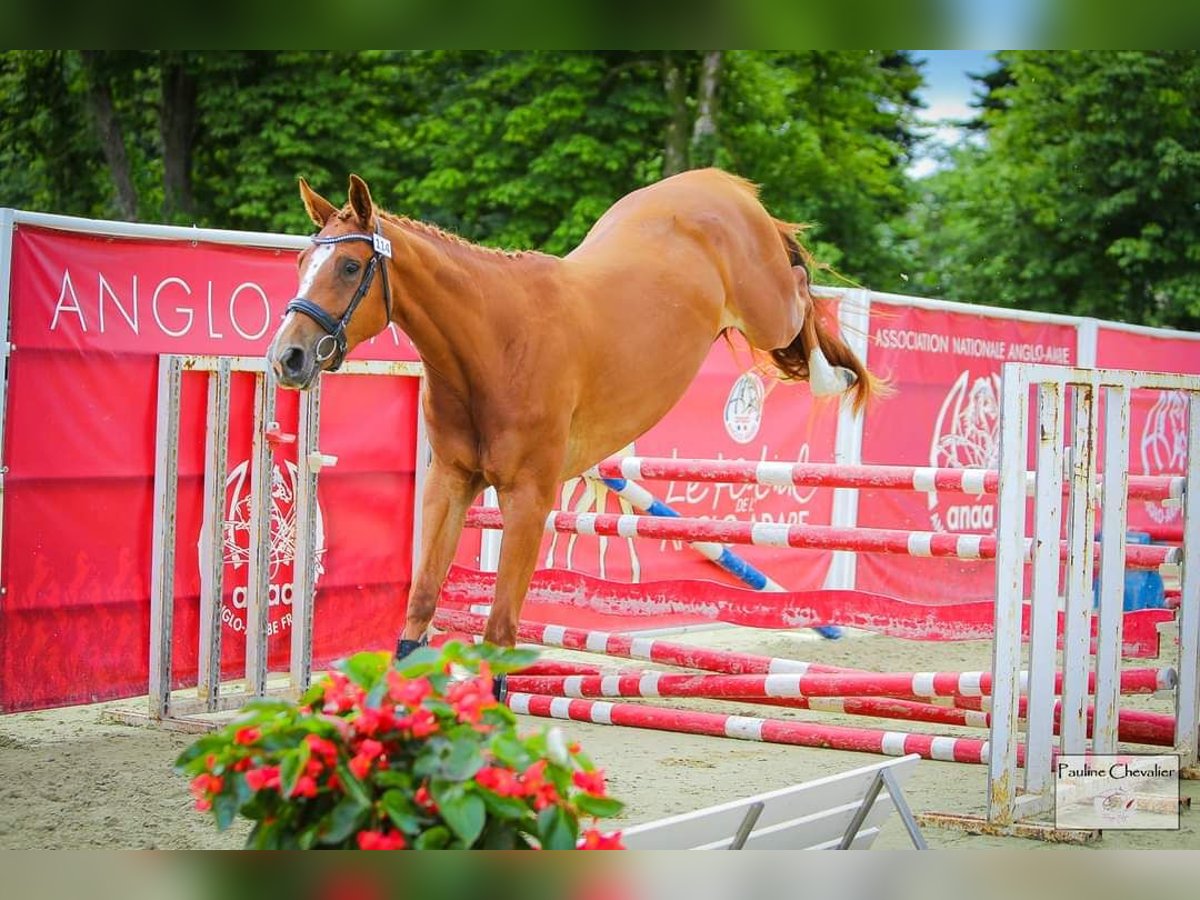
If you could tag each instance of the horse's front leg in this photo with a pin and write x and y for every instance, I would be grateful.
(524, 507)
(448, 493)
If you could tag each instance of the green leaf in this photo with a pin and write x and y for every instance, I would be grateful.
(225, 807)
(365, 669)
(419, 662)
(600, 807)
(352, 786)
(401, 811)
(464, 813)
(557, 830)
(503, 807)
(463, 762)
(347, 818)
(500, 836)
(265, 836)
(292, 766)
(504, 659)
(390, 778)
(435, 838)
(510, 750)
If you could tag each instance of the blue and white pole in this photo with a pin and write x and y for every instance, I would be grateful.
(643, 500)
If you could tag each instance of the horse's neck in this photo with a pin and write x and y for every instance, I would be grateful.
(446, 298)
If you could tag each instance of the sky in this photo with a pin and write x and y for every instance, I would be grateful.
(947, 93)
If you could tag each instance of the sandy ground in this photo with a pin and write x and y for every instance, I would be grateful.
(71, 780)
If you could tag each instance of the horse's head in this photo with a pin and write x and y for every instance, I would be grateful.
(344, 297)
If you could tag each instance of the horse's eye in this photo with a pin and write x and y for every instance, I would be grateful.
(351, 267)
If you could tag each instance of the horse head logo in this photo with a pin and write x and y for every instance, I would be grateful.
(966, 435)
(1164, 446)
(744, 407)
(967, 432)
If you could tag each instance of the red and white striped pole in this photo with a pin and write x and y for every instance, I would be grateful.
(750, 728)
(626, 647)
(810, 537)
(844, 682)
(782, 474)
(835, 684)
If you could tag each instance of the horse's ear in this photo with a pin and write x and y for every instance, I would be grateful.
(319, 209)
(360, 201)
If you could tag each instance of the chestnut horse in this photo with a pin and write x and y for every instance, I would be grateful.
(537, 367)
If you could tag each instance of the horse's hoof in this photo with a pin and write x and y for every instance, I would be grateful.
(825, 380)
(405, 647)
(500, 688)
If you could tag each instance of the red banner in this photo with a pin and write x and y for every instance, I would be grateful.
(1158, 424)
(89, 316)
(946, 368)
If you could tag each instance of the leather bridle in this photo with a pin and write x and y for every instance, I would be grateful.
(332, 344)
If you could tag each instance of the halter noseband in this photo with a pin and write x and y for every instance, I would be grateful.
(332, 344)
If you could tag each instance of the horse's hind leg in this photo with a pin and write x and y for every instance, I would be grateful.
(448, 494)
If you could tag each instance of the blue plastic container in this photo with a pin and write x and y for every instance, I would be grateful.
(1143, 587)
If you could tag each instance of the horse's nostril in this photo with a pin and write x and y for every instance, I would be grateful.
(292, 362)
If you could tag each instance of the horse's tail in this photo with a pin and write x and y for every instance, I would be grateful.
(835, 369)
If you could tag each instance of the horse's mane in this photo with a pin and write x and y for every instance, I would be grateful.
(443, 235)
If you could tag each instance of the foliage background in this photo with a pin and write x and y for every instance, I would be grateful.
(1080, 192)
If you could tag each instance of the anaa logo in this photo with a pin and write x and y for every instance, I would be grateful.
(235, 544)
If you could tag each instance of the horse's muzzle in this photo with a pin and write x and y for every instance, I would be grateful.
(295, 366)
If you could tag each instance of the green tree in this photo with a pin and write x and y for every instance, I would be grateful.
(521, 149)
(828, 135)
(517, 149)
(1083, 199)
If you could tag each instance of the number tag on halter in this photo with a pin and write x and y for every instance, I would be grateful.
(382, 245)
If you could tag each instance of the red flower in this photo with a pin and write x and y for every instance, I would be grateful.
(246, 736)
(378, 840)
(470, 698)
(423, 723)
(210, 761)
(542, 792)
(594, 839)
(410, 692)
(500, 781)
(340, 694)
(243, 764)
(204, 788)
(306, 786)
(265, 778)
(590, 782)
(424, 799)
(360, 766)
(371, 721)
(370, 749)
(327, 750)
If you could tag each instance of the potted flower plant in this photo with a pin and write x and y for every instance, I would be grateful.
(383, 754)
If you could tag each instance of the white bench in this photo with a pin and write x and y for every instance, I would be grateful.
(841, 811)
